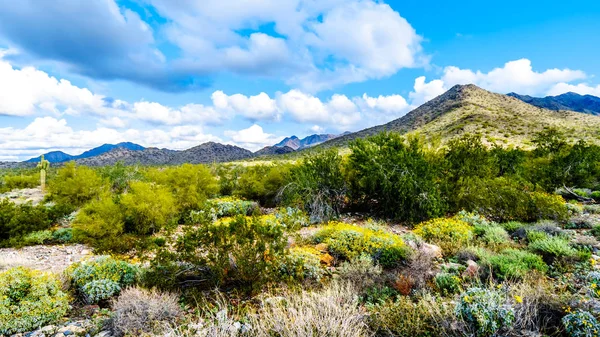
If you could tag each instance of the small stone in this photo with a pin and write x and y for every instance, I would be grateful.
(67, 332)
(472, 269)
(103, 334)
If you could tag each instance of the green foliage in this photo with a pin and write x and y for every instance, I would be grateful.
(246, 250)
(348, 242)
(148, 208)
(191, 185)
(485, 311)
(262, 183)
(302, 263)
(29, 300)
(62, 235)
(552, 247)
(514, 264)
(76, 185)
(448, 283)
(395, 177)
(593, 279)
(101, 277)
(507, 199)
(120, 176)
(229, 206)
(581, 324)
(100, 223)
(317, 186)
(450, 234)
(17, 221)
(21, 181)
(37, 238)
(293, 218)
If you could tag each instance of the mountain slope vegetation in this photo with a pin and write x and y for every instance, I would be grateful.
(567, 101)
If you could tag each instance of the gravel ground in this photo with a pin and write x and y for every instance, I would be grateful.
(45, 258)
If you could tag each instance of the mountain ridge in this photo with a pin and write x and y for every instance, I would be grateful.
(568, 101)
(60, 156)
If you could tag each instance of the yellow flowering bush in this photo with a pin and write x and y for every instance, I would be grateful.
(302, 263)
(349, 241)
(28, 300)
(450, 234)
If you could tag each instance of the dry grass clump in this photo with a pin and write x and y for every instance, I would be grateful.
(360, 271)
(330, 312)
(139, 311)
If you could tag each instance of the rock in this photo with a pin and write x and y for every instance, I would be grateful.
(472, 269)
(103, 334)
(431, 250)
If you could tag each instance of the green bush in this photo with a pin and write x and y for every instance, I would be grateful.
(100, 224)
(229, 206)
(552, 247)
(191, 185)
(395, 177)
(21, 181)
(245, 250)
(485, 311)
(581, 324)
(448, 283)
(317, 186)
(76, 185)
(348, 242)
(29, 300)
(17, 221)
(101, 277)
(262, 183)
(450, 234)
(62, 235)
(511, 264)
(147, 208)
(302, 263)
(37, 238)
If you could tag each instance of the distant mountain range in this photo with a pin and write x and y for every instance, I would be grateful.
(59, 156)
(296, 143)
(569, 101)
(501, 119)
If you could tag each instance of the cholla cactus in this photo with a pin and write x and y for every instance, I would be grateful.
(43, 167)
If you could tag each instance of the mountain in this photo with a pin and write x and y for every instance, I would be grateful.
(312, 140)
(569, 101)
(59, 156)
(204, 153)
(501, 119)
(273, 150)
(53, 157)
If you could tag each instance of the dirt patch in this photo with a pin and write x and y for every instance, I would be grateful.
(35, 195)
(45, 258)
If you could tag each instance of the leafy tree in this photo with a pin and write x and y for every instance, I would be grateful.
(147, 207)
(76, 185)
(395, 177)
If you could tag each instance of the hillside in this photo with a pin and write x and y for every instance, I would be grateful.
(59, 156)
(568, 101)
(501, 119)
(204, 153)
(273, 150)
(298, 144)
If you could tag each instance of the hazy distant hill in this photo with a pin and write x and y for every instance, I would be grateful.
(59, 156)
(273, 150)
(312, 140)
(499, 118)
(204, 153)
(569, 101)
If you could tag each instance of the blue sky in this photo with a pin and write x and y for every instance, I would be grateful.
(77, 74)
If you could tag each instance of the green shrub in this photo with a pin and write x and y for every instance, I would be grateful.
(262, 183)
(535, 235)
(37, 238)
(449, 234)
(147, 207)
(17, 221)
(191, 185)
(512, 226)
(581, 324)
(302, 263)
(485, 311)
(76, 185)
(348, 242)
(246, 250)
(317, 186)
(229, 206)
(21, 181)
(101, 277)
(29, 300)
(552, 247)
(62, 235)
(293, 218)
(100, 223)
(120, 176)
(448, 283)
(595, 231)
(513, 264)
(593, 279)
(396, 177)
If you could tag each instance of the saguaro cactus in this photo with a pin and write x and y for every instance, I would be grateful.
(43, 167)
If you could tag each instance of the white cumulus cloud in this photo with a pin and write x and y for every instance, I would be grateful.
(252, 138)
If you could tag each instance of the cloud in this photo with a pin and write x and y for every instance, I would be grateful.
(45, 134)
(339, 111)
(581, 88)
(515, 76)
(304, 42)
(252, 138)
(258, 107)
(28, 91)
